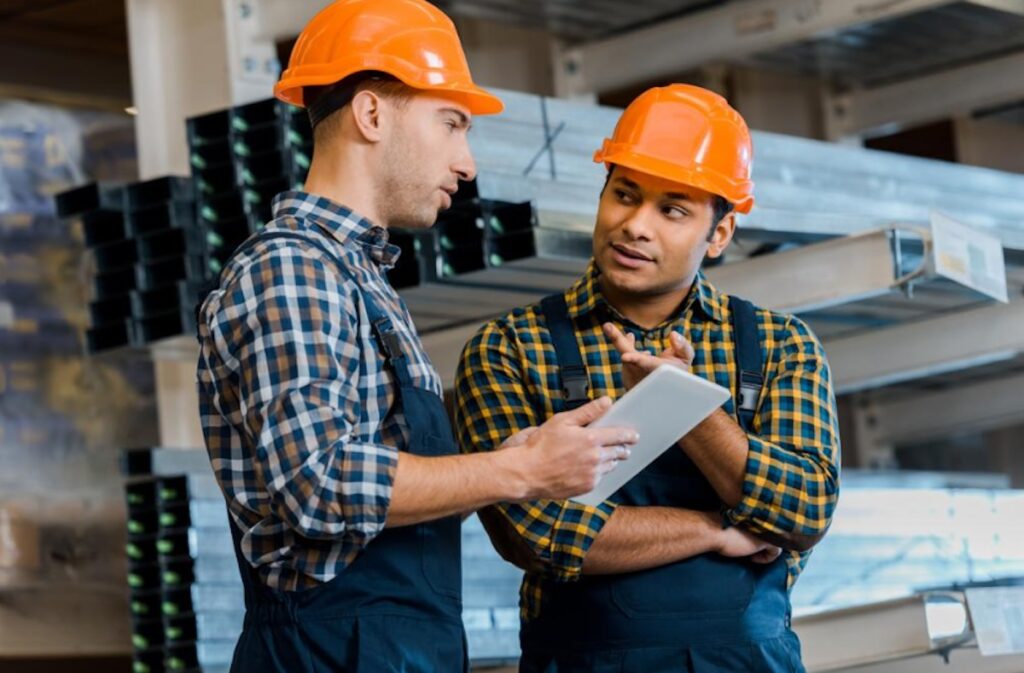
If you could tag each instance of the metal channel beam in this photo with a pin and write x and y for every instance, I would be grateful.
(988, 405)
(955, 341)
(945, 94)
(813, 276)
(727, 32)
(840, 639)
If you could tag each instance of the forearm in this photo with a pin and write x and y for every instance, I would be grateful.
(427, 488)
(718, 446)
(637, 538)
(721, 451)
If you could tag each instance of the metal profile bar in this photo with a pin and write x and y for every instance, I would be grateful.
(814, 276)
(957, 340)
(836, 640)
(987, 405)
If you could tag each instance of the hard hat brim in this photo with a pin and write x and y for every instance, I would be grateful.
(741, 199)
(478, 100)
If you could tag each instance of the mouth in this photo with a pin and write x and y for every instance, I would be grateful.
(449, 195)
(630, 257)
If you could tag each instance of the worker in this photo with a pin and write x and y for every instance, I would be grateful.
(320, 408)
(687, 567)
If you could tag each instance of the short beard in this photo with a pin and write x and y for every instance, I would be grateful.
(399, 203)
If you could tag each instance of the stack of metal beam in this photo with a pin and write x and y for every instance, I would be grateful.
(541, 150)
(241, 157)
(181, 564)
(150, 255)
(100, 208)
(187, 598)
(172, 257)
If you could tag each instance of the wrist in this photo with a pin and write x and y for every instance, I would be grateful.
(714, 531)
(504, 470)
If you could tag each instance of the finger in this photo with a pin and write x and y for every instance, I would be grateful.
(622, 343)
(614, 454)
(520, 438)
(615, 436)
(584, 415)
(767, 555)
(682, 346)
(642, 360)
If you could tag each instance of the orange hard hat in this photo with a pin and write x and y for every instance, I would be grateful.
(688, 135)
(410, 40)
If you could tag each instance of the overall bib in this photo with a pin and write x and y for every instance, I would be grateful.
(704, 614)
(398, 606)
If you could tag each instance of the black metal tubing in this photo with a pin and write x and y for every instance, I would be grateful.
(166, 215)
(153, 192)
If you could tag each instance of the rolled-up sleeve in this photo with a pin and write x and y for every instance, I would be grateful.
(792, 479)
(289, 330)
(491, 404)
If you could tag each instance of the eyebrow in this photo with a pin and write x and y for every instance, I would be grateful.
(463, 119)
(677, 196)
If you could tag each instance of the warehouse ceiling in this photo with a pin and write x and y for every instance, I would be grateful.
(577, 20)
(95, 26)
(901, 48)
(65, 51)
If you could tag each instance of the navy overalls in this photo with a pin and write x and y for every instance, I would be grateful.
(398, 606)
(704, 614)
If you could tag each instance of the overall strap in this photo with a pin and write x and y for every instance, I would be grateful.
(573, 373)
(749, 360)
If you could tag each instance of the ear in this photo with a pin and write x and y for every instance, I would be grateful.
(367, 112)
(721, 236)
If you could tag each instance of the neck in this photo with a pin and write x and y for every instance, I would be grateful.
(646, 310)
(337, 173)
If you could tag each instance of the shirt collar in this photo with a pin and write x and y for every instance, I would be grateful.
(340, 222)
(585, 296)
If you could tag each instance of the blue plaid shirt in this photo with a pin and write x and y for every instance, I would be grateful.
(294, 397)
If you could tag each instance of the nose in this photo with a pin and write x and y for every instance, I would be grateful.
(464, 165)
(637, 226)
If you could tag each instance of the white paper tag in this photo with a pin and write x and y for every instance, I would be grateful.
(969, 256)
(997, 614)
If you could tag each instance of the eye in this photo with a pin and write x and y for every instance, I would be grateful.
(674, 212)
(623, 196)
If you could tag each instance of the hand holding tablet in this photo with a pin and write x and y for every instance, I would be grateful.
(662, 408)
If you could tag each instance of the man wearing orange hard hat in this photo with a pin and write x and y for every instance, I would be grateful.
(320, 409)
(688, 566)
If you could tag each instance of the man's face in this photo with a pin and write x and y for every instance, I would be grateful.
(652, 234)
(425, 155)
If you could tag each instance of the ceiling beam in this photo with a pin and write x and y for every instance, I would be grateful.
(925, 99)
(1009, 6)
(725, 33)
(64, 76)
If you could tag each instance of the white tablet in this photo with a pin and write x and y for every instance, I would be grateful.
(662, 408)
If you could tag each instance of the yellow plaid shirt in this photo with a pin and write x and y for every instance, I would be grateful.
(508, 380)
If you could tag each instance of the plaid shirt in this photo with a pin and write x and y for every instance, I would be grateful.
(508, 380)
(295, 399)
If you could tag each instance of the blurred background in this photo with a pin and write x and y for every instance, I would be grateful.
(138, 146)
